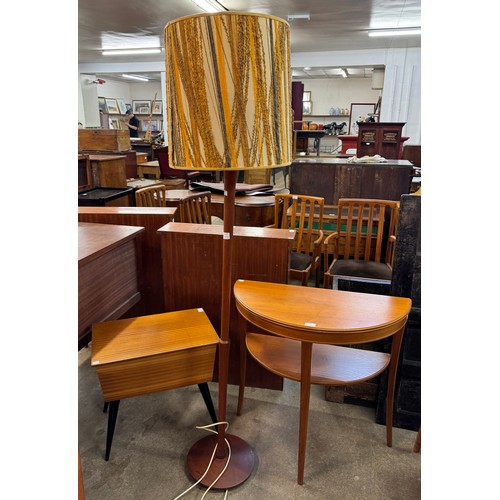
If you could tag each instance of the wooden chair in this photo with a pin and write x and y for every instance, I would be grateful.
(196, 208)
(151, 196)
(362, 243)
(304, 214)
(167, 172)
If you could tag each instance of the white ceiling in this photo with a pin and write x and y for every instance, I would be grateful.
(334, 25)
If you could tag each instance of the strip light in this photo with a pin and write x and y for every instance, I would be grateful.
(209, 5)
(395, 32)
(134, 77)
(127, 52)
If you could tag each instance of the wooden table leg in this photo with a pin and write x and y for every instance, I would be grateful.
(113, 413)
(397, 340)
(305, 393)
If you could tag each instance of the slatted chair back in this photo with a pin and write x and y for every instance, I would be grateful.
(363, 241)
(304, 214)
(151, 196)
(196, 208)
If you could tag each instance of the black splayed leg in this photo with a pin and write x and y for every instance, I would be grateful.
(113, 413)
(105, 409)
(205, 392)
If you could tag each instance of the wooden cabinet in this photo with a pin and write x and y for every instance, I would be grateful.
(108, 284)
(192, 270)
(108, 170)
(132, 159)
(383, 138)
(151, 219)
(334, 178)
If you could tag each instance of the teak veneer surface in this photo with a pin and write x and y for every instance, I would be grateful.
(239, 231)
(320, 315)
(159, 352)
(331, 364)
(151, 218)
(108, 284)
(96, 239)
(133, 338)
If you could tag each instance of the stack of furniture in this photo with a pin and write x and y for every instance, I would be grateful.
(114, 143)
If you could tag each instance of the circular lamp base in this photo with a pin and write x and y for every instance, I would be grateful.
(238, 471)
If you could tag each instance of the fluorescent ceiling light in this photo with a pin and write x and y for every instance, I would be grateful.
(395, 32)
(209, 5)
(134, 77)
(125, 52)
(299, 17)
(343, 72)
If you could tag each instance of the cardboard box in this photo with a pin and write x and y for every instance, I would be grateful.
(103, 140)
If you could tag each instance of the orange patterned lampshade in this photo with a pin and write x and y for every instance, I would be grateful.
(228, 97)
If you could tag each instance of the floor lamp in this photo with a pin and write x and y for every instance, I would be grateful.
(229, 108)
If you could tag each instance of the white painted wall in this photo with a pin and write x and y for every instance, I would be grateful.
(401, 99)
(339, 92)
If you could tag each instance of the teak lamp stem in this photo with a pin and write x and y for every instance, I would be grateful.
(228, 109)
(242, 459)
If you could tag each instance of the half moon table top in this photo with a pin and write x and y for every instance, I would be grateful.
(320, 315)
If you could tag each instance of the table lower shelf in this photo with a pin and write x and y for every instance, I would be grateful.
(331, 364)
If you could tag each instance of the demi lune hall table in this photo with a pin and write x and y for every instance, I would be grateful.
(305, 322)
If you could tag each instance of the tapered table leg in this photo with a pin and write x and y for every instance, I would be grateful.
(305, 392)
(113, 413)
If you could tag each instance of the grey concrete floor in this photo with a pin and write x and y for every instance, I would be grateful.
(346, 458)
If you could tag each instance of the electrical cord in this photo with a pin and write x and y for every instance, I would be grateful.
(207, 428)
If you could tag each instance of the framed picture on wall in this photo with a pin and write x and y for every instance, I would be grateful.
(306, 96)
(121, 105)
(307, 107)
(360, 111)
(141, 107)
(112, 105)
(102, 105)
(151, 125)
(157, 108)
(129, 106)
